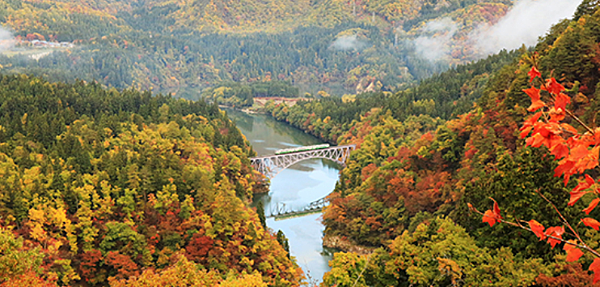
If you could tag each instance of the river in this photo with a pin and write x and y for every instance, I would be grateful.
(295, 187)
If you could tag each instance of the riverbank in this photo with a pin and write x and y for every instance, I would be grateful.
(343, 244)
(260, 102)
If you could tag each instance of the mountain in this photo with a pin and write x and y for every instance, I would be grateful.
(184, 47)
(411, 190)
(100, 186)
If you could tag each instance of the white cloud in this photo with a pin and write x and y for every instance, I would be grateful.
(346, 43)
(523, 24)
(6, 39)
(434, 44)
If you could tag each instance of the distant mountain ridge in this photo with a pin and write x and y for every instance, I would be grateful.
(185, 46)
(243, 15)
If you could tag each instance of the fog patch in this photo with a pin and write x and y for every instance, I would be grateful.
(524, 23)
(436, 39)
(7, 40)
(346, 43)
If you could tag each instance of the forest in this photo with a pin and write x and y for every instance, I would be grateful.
(182, 47)
(238, 95)
(100, 186)
(466, 174)
(416, 189)
(443, 96)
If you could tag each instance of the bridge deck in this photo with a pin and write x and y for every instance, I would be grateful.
(313, 207)
(271, 165)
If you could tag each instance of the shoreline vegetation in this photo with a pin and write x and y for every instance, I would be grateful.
(260, 102)
(345, 245)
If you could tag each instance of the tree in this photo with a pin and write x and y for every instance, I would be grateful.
(587, 7)
(283, 241)
(260, 210)
(577, 151)
(15, 259)
(346, 270)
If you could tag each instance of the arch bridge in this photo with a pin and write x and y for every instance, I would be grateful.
(272, 165)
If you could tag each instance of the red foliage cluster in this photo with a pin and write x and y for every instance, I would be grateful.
(577, 152)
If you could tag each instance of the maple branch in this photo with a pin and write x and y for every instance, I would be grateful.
(566, 232)
(573, 116)
(584, 246)
(579, 121)
(562, 218)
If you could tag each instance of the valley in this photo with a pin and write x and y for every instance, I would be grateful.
(125, 159)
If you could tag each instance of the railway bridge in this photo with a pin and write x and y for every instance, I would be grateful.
(282, 211)
(272, 165)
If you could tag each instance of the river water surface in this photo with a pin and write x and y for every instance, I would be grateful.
(293, 187)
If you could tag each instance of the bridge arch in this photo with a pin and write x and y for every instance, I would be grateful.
(272, 165)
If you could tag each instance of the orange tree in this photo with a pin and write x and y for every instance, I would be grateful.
(575, 149)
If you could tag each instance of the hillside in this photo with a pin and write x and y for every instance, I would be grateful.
(100, 186)
(406, 191)
(183, 47)
(105, 186)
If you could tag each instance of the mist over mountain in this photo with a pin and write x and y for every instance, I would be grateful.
(434, 44)
(445, 38)
(462, 172)
(6, 39)
(184, 47)
(524, 23)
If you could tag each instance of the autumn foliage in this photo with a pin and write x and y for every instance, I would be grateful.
(102, 187)
(575, 149)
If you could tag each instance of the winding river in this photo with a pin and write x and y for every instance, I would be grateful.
(294, 187)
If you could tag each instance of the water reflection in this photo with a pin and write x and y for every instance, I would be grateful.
(267, 134)
(242, 120)
(295, 187)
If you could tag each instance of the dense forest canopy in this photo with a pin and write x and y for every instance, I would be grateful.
(406, 190)
(184, 47)
(102, 184)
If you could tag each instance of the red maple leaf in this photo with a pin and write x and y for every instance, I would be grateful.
(578, 152)
(589, 179)
(489, 217)
(564, 167)
(595, 267)
(561, 101)
(537, 228)
(525, 131)
(590, 222)
(560, 151)
(584, 184)
(554, 87)
(533, 73)
(533, 119)
(497, 210)
(573, 253)
(592, 205)
(536, 103)
(575, 196)
(568, 128)
(556, 231)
